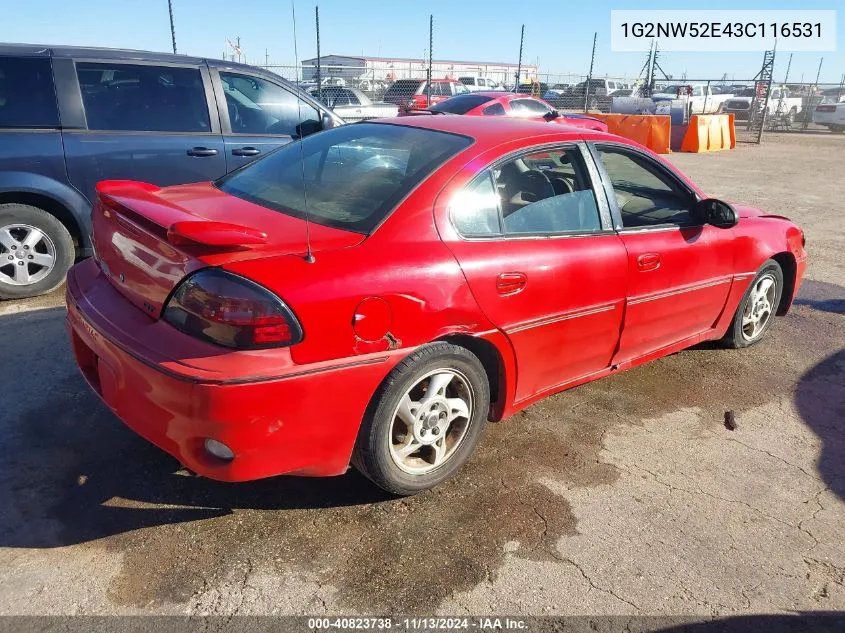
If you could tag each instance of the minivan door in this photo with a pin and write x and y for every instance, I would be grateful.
(143, 121)
(258, 115)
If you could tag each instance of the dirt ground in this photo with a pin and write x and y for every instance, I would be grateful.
(626, 496)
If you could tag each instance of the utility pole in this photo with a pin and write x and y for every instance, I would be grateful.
(172, 28)
(266, 58)
(519, 64)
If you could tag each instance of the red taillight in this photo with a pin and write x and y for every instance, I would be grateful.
(826, 108)
(229, 310)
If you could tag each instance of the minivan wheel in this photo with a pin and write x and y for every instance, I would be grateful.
(36, 251)
(424, 420)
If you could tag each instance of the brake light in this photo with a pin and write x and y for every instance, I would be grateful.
(826, 108)
(231, 311)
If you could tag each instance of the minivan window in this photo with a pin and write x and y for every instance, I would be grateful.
(143, 98)
(354, 175)
(27, 97)
(257, 106)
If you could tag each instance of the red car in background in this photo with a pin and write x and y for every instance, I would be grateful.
(514, 105)
(414, 94)
(377, 292)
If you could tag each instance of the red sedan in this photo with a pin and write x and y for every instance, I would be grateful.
(515, 105)
(378, 292)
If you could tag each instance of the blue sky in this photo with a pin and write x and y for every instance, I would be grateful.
(558, 34)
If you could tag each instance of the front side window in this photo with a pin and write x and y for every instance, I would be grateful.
(143, 98)
(543, 192)
(27, 98)
(257, 106)
(497, 109)
(459, 88)
(645, 194)
(528, 108)
(355, 175)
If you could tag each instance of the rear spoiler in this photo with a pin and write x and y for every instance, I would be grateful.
(178, 226)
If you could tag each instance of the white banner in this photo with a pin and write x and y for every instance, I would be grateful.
(716, 30)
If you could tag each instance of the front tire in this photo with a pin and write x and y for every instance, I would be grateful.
(424, 420)
(36, 251)
(757, 309)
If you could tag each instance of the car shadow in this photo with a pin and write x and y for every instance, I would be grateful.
(73, 472)
(821, 295)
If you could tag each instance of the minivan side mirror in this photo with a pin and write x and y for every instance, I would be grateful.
(717, 213)
(326, 121)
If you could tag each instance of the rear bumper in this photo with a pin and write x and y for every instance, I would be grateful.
(303, 421)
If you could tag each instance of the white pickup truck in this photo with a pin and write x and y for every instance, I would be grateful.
(700, 98)
(780, 104)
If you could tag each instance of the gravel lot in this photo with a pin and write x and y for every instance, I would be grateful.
(626, 496)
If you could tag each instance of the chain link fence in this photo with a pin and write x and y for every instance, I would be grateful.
(358, 88)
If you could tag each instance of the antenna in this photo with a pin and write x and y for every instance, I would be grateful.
(309, 256)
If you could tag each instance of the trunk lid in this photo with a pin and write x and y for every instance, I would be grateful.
(147, 239)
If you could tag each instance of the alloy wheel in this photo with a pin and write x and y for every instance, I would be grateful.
(27, 254)
(431, 421)
(759, 308)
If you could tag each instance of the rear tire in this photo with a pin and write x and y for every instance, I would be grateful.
(443, 393)
(756, 311)
(36, 251)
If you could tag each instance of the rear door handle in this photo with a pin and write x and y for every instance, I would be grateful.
(246, 151)
(648, 261)
(510, 283)
(202, 151)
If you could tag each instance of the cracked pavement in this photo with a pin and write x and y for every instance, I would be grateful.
(627, 496)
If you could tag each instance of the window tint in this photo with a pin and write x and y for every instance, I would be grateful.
(27, 98)
(546, 192)
(497, 109)
(528, 107)
(460, 104)
(645, 195)
(257, 106)
(354, 174)
(404, 87)
(475, 209)
(143, 98)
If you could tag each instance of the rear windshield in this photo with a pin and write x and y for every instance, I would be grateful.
(460, 104)
(354, 175)
(403, 87)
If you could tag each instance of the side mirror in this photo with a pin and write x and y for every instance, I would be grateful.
(717, 213)
(326, 121)
(551, 116)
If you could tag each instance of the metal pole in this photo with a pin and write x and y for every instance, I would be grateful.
(266, 58)
(172, 28)
(319, 64)
(813, 94)
(519, 64)
(430, 58)
(590, 76)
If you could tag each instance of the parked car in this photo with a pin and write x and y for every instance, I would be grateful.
(70, 117)
(351, 104)
(781, 104)
(536, 88)
(700, 98)
(427, 293)
(830, 114)
(474, 84)
(514, 105)
(413, 94)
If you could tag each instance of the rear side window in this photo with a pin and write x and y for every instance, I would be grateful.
(27, 97)
(497, 109)
(143, 98)
(460, 104)
(403, 87)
